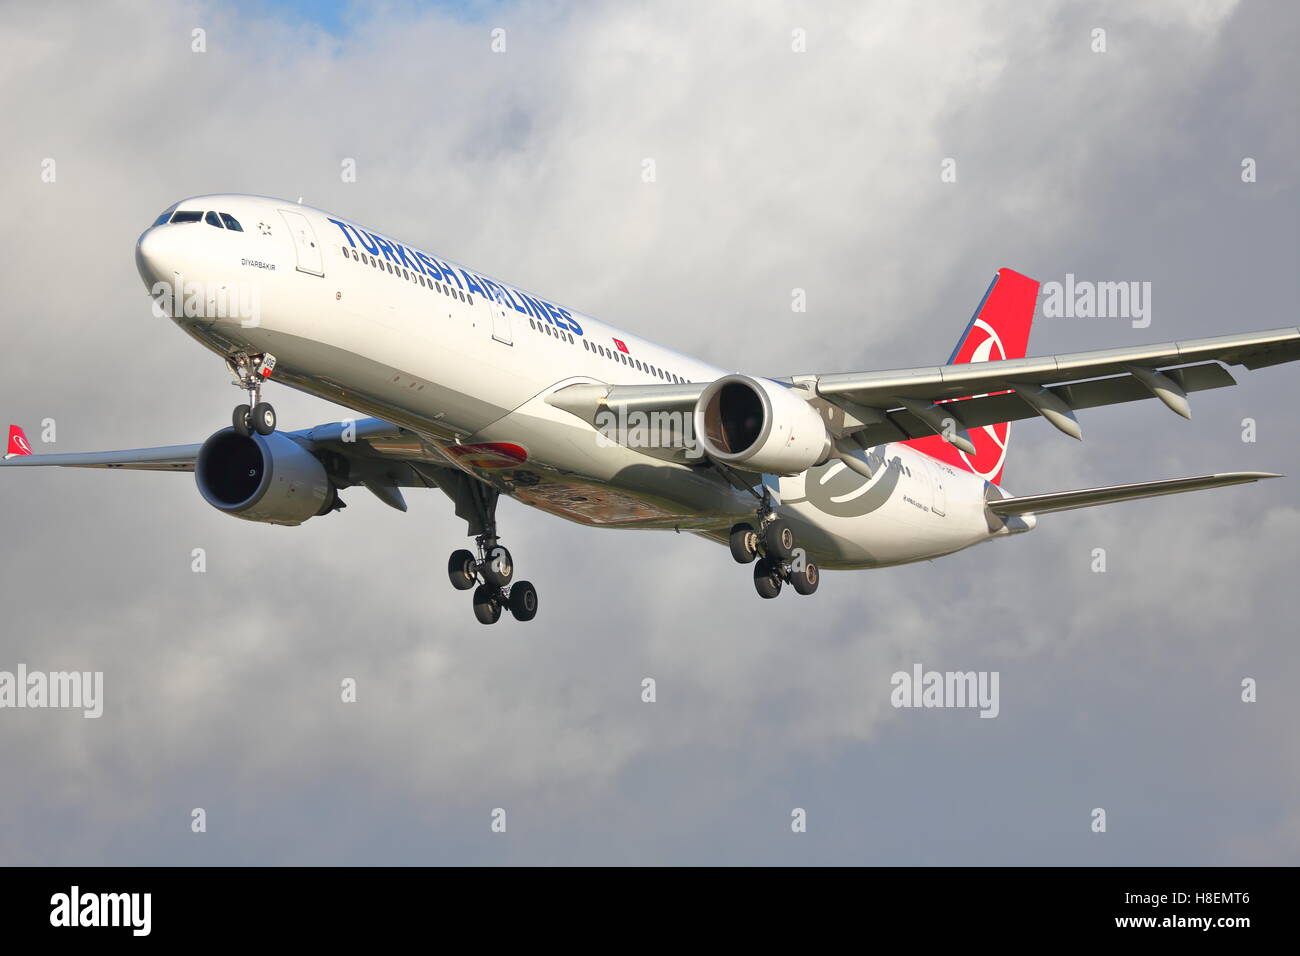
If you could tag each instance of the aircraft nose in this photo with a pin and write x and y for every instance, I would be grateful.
(154, 255)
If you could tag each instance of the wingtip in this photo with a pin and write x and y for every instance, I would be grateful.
(18, 446)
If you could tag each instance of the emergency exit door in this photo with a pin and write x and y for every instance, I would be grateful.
(500, 319)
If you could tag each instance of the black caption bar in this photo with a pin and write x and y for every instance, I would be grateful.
(114, 906)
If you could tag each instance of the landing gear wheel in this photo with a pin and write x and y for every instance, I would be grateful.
(242, 420)
(767, 579)
(744, 543)
(523, 600)
(463, 570)
(498, 566)
(250, 371)
(805, 580)
(487, 604)
(263, 418)
(778, 540)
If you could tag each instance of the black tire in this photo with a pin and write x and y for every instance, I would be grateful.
(263, 418)
(806, 580)
(744, 543)
(778, 540)
(242, 420)
(498, 566)
(462, 569)
(487, 604)
(523, 600)
(767, 579)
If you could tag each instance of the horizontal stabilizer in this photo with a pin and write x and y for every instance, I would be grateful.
(1087, 497)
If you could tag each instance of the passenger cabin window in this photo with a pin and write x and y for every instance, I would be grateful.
(231, 222)
(212, 220)
(187, 215)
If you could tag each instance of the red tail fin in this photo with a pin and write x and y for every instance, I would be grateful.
(18, 443)
(999, 329)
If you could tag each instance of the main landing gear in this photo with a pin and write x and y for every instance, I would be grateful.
(490, 574)
(778, 560)
(250, 371)
(491, 571)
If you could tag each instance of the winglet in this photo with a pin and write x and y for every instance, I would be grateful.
(18, 443)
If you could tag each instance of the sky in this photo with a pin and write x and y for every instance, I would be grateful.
(795, 146)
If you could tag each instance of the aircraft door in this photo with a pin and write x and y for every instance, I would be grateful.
(310, 259)
(939, 496)
(500, 319)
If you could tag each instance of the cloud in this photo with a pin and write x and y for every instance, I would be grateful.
(775, 170)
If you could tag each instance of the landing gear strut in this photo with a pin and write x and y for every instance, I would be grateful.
(489, 572)
(250, 371)
(771, 541)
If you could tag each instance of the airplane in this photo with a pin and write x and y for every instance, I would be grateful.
(479, 388)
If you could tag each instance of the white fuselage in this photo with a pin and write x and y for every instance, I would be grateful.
(460, 358)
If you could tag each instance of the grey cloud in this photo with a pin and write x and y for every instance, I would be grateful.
(775, 170)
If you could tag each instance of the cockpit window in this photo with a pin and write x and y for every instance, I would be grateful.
(187, 215)
(231, 222)
(166, 214)
(212, 220)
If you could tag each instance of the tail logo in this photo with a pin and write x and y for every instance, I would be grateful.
(990, 450)
(18, 444)
(976, 349)
(999, 331)
(990, 440)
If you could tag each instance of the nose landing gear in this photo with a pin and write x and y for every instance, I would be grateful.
(250, 372)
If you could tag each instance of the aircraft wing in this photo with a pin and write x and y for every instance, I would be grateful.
(901, 404)
(908, 403)
(168, 458)
(377, 454)
(366, 437)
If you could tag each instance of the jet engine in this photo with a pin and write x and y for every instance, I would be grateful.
(269, 478)
(760, 425)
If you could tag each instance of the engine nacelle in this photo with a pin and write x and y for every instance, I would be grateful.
(760, 425)
(267, 478)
